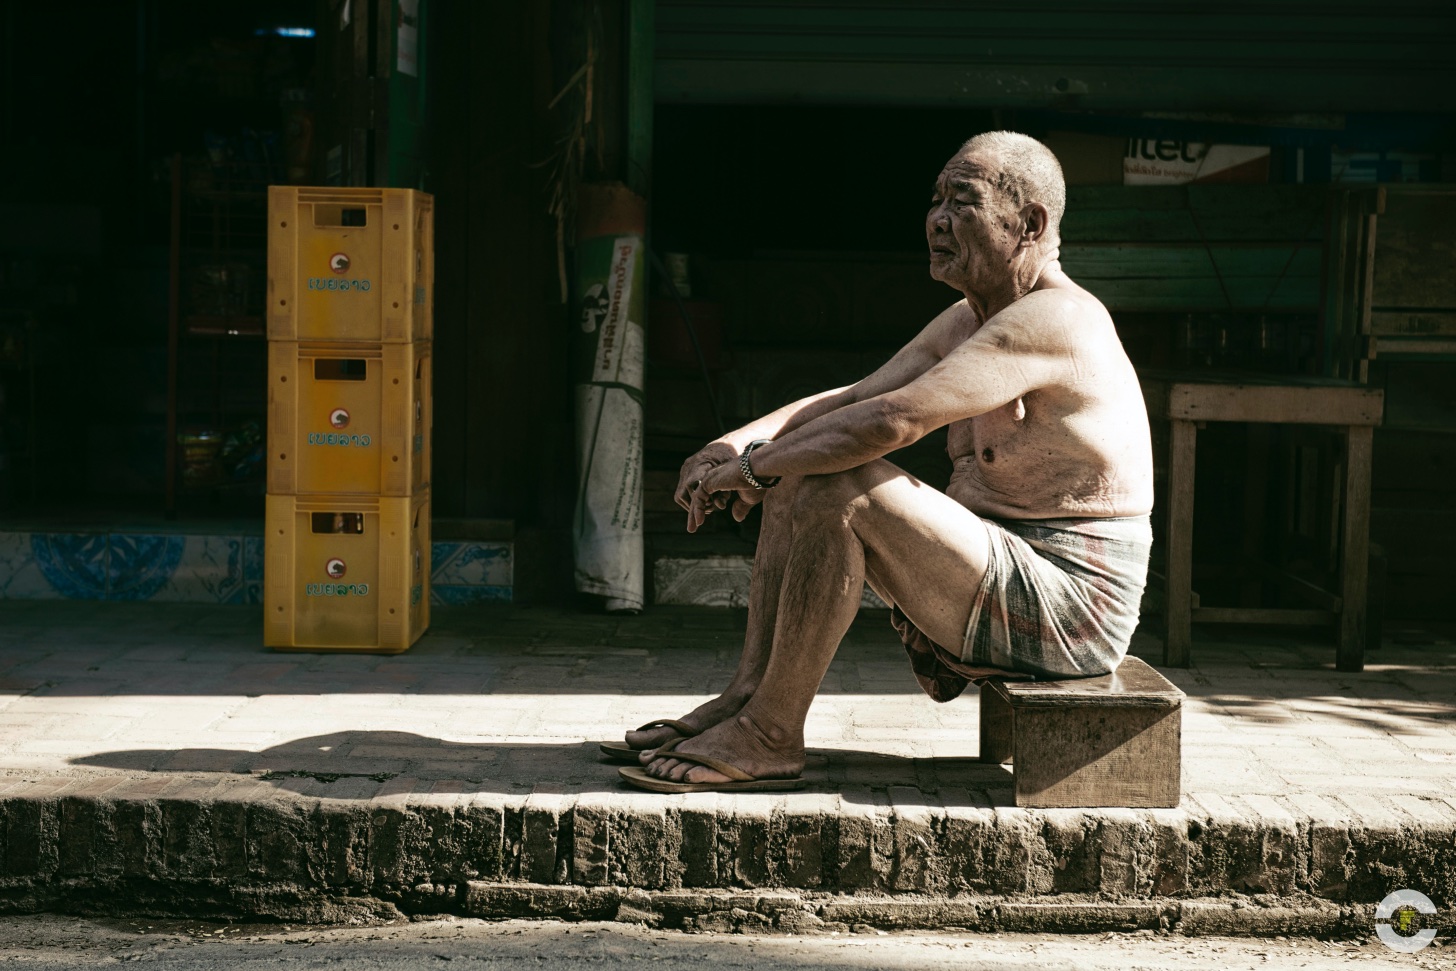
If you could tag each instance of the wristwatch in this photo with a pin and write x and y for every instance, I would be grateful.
(747, 469)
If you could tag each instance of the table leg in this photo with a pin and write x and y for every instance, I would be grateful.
(1256, 482)
(1178, 609)
(1355, 549)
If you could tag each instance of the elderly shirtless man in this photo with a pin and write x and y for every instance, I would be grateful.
(1034, 559)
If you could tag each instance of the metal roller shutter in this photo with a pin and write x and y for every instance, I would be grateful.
(1281, 55)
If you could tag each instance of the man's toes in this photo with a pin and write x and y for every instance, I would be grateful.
(701, 773)
(662, 768)
(683, 771)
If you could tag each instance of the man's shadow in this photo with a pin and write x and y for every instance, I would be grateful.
(344, 764)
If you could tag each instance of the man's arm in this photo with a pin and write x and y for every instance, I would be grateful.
(1023, 348)
(909, 363)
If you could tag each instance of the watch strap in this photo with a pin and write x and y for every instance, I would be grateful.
(746, 468)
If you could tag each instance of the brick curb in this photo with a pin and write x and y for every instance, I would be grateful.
(174, 844)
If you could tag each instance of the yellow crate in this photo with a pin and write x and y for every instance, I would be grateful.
(346, 573)
(347, 264)
(348, 419)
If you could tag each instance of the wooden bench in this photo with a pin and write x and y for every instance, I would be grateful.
(1088, 742)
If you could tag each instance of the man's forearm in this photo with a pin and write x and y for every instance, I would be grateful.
(845, 438)
(789, 417)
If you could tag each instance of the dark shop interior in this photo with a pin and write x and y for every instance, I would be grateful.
(786, 154)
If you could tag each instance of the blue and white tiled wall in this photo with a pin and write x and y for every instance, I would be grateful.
(466, 572)
(131, 566)
(205, 568)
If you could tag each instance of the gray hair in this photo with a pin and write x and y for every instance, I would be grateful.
(1023, 170)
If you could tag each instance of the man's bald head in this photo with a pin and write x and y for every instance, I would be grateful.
(1023, 170)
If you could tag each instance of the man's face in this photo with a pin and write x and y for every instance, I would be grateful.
(971, 228)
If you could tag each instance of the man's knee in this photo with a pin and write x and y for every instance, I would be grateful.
(828, 497)
(780, 499)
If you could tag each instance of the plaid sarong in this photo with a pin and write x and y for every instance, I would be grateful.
(1060, 599)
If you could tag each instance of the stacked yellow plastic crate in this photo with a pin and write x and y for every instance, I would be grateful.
(351, 277)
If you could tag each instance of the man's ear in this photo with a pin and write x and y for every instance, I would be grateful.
(1034, 220)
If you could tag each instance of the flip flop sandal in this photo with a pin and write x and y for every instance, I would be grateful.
(622, 752)
(742, 781)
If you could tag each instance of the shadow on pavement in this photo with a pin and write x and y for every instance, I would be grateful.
(355, 764)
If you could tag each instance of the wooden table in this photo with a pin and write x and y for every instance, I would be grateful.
(1187, 400)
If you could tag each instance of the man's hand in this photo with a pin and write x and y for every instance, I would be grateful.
(699, 465)
(718, 486)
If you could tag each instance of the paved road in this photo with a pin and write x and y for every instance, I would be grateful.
(47, 942)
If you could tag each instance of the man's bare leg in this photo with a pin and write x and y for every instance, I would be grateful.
(774, 540)
(924, 549)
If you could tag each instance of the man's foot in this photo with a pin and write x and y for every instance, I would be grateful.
(737, 741)
(741, 781)
(700, 719)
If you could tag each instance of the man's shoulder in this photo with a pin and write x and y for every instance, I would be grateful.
(1064, 298)
(1049, 317)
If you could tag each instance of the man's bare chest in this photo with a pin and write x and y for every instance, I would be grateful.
(1004, 430)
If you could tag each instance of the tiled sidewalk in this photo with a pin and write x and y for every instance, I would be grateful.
(511, 697)
(123, 701)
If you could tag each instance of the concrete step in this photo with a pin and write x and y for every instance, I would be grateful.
(302, 848)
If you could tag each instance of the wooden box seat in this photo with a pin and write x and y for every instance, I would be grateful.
(1114, 740)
